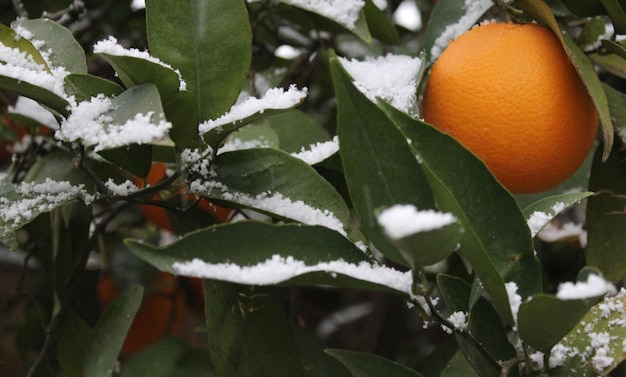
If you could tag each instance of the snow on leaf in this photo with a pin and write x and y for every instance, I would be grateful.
(27, 200)
(27, 107)
(275, 99)
(390, 77)
(318, 152)
(403, 220)
(110, 46)
(594, 286)
(344, 12)
(279, 269)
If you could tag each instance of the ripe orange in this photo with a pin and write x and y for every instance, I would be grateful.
(509, 93)
(161, 313)
(159, 215)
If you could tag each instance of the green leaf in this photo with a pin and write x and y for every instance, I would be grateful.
(316, 362)
(541, 212)
(596, 345)
(322, 257)
(617, 15)
(595, 88)
(379, 24)
(612, 63)
(250, 137)
(84, 87)
(209, 42)
(586, 8)
(448, 20)
(134, 158)
(458, 367)
(110, 331)
(182, 112)
(592, 32)
(279, 184)
(37, 93)
(614, 47)
(370, 365)
(134, 71)
(380, 169)
(167, 358)
(617, 105)
(605, 216)
(248, 332)
(11, 40)
(72, 345)
(309, 131)
(496, 240)
(63, 50)
(544, 319)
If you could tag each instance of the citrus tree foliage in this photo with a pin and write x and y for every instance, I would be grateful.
(305, 172)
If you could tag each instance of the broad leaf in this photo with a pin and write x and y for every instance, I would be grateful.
(9, 39)
(272, 254)
(370, 365)
(606, 219)
(544, 319)
(316, 362)
(181, 111)
(296, 130)
(380, 169)
(109, 334)
(616, 12)
(209, 42)
(248, 332)
(379, 24)
(463, 186)
(59, 43)
(42, 95)
(279, 184)
(540, 213)
(449, 19)
(617, 105)
(84, 87)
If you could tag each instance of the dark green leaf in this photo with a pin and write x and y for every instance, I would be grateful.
(134, 71)
(296, 130)
(248, 332)
(458, 367)
(273, 176)
(612, 63)
(135, 158)
(316, 362)
(463, 186)
(63, 50)
(324, 257)
(370, 365)
(182, 112)
(37, 93)
(585, 8)
(379, 24)
(84, 87)
(460, 13)
(617, 15)
(605, 216)
(379, 167)
(441, 359)
(614, 47)
(617, 105)
(71, 346)
(592, 32)
(110, 331)
(209, 42)
(544, 320)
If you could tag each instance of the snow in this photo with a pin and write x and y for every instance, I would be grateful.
(318, 152)
(274, 98)
(403, 220)
(278, 269)
(539, 219)
(515, 300)
(91, 122)
(236, 144)
(458, 319)
(138, 4)
(276, 203)
(390, 77)
(474, 9)
(121, 189)
(552, 233)
(32, 109)
(331, 324)
(594, 286)
(408, 15)
(110, 46)
(344, 12)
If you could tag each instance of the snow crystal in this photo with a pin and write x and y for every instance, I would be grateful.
(274, 203)
(318, 152)
(197, 161)
(473, 10)
(344, 12)
(594, 286)
(32, 109)
(402, 220)
(91, 123)
(458, 319)
(552, 233)
(536, 221)
(278, 269)
(111, 47)
(275, 98)
(559, 354)
(390, 77)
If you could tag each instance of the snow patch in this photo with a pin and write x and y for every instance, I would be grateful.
(594, 286)
(344, 12)
(318, 152)
(403, 220)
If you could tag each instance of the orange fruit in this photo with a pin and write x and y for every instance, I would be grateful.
(159, 216)
(161, 312)
(510, 94)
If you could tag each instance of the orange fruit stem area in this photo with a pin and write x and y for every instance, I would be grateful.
(510, 94)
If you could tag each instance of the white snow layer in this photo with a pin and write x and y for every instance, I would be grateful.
(595, 286)
(279, 269)
(344, 12)
(403, 220)
(390, 77)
